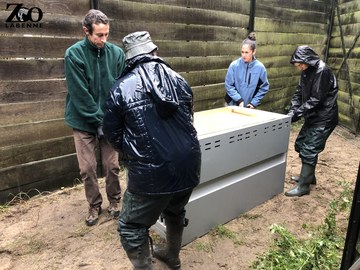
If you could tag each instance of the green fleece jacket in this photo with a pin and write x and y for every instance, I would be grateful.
(90, 73)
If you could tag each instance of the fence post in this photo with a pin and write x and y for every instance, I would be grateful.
(331, 23)
(252, 16)
(94, 4)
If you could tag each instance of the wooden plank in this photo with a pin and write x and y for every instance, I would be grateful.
(236, 6)
(32, 69)
(37, 47)
(32, 90)
(355, 87)
(208, 104)
(281, 50)
(44, 176)
(172, 32)
(214, 91)
(206, 77)
(289, 14)
(348, 7)
(346, 122)
(349, 29)
(284, 82)
(344, 107)
(49, 26)
(55, 47)
(355, 76)
(20, 154)
(338, 53)
(276, 72)
(79, 7)
(28, 133)
(276, 25)
(276, 38)
(276, 61)
(350, 18)
(345, 98)
(277, 106)
(181, 64)
(352, 63)
(146, 12)
(343, 85)
(196, 48)
(16, 113)
(280, 93)
(319, 6)
(336, 44)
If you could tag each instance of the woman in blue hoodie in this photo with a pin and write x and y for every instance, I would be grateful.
(246, 80)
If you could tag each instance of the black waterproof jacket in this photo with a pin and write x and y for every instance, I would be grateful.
(149, 120)
(315, 97)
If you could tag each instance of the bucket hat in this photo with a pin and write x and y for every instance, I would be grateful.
(137, 43)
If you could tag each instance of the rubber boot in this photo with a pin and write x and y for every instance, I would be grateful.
(140, 257)
(296, 178)
(307, 175)
(169, 253)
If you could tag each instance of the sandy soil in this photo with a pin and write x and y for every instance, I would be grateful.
(48, 232)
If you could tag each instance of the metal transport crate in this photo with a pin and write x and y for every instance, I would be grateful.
(243, 165)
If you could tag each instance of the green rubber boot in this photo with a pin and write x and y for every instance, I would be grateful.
(296, 178)
(169, 253)
(307, 176)
(140, 257)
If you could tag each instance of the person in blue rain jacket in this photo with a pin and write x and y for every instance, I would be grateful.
(246, 80)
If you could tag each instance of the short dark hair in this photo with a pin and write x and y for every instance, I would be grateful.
(94, 16)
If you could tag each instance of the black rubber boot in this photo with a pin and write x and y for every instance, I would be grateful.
(169, 253)
(140, 257)
(296, 178)
(303, 186)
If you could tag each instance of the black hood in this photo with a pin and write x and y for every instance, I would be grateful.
(305, 54)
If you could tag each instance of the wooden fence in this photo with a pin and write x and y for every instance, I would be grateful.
(344, 58)
(199, 38)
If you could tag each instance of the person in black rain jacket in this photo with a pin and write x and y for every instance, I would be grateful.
(315, 99)
(149, 121)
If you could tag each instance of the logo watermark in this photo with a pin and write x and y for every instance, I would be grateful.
(23, 17)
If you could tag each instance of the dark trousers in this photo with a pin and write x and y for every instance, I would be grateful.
(85, 144)
(310, 142)
(140, 212)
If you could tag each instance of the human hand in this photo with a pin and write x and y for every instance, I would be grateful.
(294, 118)
(100, 133)
(250, 106)
(241, 104)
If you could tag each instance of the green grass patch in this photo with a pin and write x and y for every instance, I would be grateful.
(320, 250)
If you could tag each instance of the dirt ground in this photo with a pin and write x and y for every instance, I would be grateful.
(48, 232)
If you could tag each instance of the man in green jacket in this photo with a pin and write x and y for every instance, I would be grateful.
(91, 67)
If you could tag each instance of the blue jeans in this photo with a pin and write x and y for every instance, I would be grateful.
(139, 212)
(310, 142)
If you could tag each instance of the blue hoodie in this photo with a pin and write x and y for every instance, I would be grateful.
(246, 82)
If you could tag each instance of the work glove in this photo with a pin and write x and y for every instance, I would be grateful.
(100, 133)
